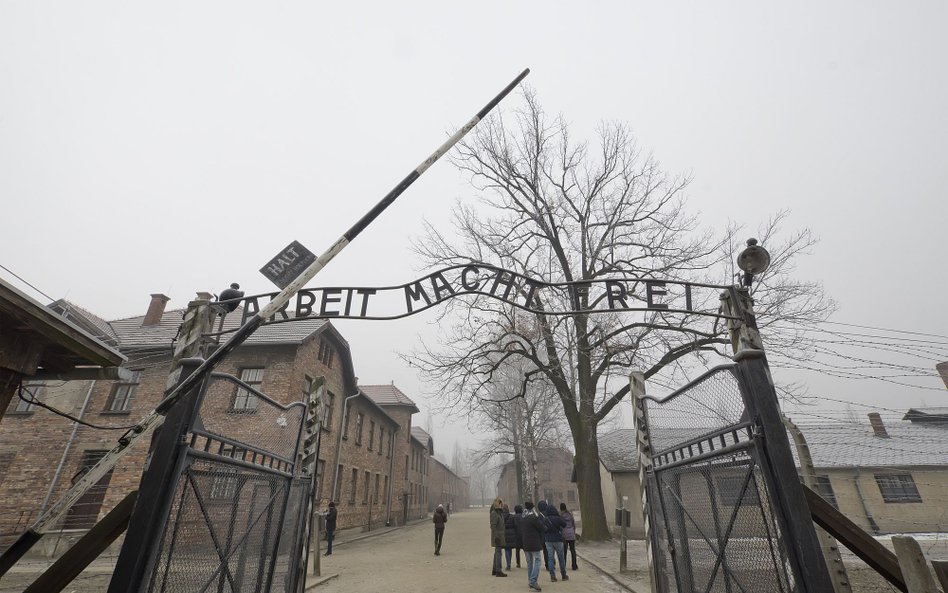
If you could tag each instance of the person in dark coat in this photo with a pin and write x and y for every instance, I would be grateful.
(330, 527)
(497, 535)
(541, 510)
(510, 536)
(439, 519)
(554, 542)
(518, 517)
(532, 530)
(569, 533)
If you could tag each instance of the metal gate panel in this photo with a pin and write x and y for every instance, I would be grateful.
(715, 525)
(235, 520)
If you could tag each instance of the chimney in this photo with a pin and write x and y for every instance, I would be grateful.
(155, 310)
(204, 296)
(942, 368)
(877, 426)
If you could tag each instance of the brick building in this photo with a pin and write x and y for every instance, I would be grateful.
(362, 447)
(409, 492)
(445, 487)
(554, 473)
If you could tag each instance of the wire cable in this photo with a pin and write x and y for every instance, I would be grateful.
(32, 400)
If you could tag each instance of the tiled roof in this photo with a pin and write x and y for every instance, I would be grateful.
(617, 450)
(131, 334)
(940, 414)
(849, 444)
(831, 444)
(420, 435)
(387, 395)
(69, 310)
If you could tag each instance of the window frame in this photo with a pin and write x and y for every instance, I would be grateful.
(24, 407)
(728, 496)
(130, 388)
(249, 397)
(905, 492)
(353, 485)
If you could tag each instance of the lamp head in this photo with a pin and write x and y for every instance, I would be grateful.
(753, 260)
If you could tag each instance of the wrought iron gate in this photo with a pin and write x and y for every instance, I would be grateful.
(237, 519)
(719, 510)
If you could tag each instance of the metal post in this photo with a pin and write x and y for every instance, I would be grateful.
(644, 447)
(834, 560)
(156, 490)
(623, 542)
(777, 465)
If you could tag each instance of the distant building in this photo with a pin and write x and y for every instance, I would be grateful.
(887, 477)
(554, 473)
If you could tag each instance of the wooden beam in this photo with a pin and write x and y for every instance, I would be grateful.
(918, 577)
(941, 571)
(58, 576)
(855, 538)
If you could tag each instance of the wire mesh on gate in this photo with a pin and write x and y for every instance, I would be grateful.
(234, 520)
(711, 509)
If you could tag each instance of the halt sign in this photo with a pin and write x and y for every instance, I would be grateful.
(288, 264)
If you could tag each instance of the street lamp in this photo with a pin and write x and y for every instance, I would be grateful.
(753, 260)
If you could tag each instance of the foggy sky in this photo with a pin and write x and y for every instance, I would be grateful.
(176, 147)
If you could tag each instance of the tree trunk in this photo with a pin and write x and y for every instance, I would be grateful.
(595, 526)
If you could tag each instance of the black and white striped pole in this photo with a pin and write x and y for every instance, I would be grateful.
(139, 551)
(150, 422)
(290, 290)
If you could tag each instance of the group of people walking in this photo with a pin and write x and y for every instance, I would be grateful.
(538, 531)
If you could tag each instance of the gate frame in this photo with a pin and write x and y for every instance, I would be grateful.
(164, 467)
(772, 454)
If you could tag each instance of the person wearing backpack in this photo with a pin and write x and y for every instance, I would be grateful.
(532, 530)
(554, 542)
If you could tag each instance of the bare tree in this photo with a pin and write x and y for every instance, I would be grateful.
(560, 211)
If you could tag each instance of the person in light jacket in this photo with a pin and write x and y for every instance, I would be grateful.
(497, 535)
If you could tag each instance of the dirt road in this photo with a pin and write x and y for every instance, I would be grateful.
(403, 561)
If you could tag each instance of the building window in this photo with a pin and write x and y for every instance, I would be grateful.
(336, 488)
(548, 495)
(24, 402)
(378, 479)
(326, 353)
(329, 402)
(245, 401)
(898, 488)
(320, 477)
(571, 495)
(359, 418)
(85, 513)
(381, 439)
(365, 488)
(371, 434)
(355, 486)
(224, 486)
(385, 488)
(825, 489)
(729, 491)
(391, 445)
(120, 401)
